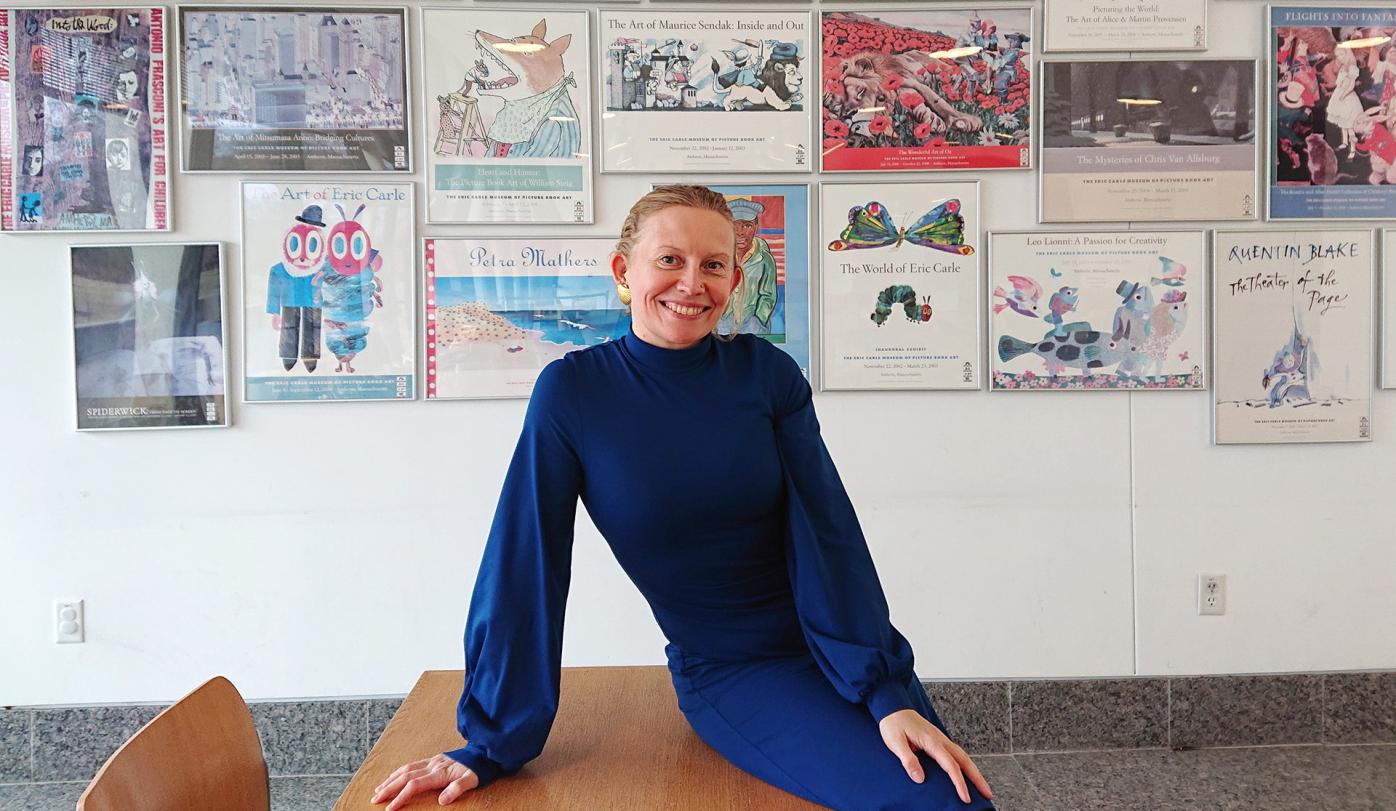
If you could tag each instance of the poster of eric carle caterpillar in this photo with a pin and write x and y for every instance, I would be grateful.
(1293, 336)
(901, 271)
(328, 291)
(688, 92)
(1088, 311)
(507, 98)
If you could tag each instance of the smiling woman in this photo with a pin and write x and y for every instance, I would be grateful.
(781, 650)
(677, 271)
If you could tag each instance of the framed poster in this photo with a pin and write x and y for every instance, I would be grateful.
(683, 92)
(900, 282)
(1148, 140)
(1292, 336)
(148, 339)
(83, 144)
(936, 88)
(1388, 310)
(269, 88)
(772, 225)
(1332, 85)
(328, 291)
(1125, 25)
(508, 117)
(499, 310)
(1093, 311)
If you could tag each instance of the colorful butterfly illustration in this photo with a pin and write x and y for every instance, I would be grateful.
(870, 226)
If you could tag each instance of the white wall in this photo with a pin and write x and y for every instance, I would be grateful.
(1017, 535)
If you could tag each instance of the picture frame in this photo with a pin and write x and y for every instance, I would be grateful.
(1332, 112)
(499, 309)
(516, 153)
(333, 266)
(682, 93)
(284, 89)
(83, 139)
(1117, 310)
(1085, 26)
(773, 243)
(1152, 140)
(149, 336)
(1388, 310)
(944, 91)
(1292, 335)
(900, 300)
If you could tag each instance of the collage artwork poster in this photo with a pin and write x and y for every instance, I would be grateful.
(1095, 311)
(328, 295)
(1332, 112)
(1293, 336)
(931, 89)
(148, 336)
(900, 297)
(294, 89)
(669, 78)
(83, 140)
(507, 103)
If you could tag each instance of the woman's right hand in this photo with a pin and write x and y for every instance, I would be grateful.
(438, 772)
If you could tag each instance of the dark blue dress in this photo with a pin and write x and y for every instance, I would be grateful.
(704, 470)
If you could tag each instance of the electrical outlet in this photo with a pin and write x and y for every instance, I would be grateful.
(68, 621)
(1211, 594)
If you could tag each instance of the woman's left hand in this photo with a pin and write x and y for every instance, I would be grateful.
(905, 731)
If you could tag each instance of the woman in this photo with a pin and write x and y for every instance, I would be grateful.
(700, 461)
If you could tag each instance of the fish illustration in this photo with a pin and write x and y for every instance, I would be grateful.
(1173, 273)
(1062, 302)
(1078, 347)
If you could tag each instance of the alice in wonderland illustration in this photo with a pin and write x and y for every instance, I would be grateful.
(1333, 115)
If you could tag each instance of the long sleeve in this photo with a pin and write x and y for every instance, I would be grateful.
(843, 611)
(277, 282)
(513, 635)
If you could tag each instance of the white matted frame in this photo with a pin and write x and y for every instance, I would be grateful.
(401, 163)
(885, 309)
(927, 155)
(1171, 287)
(158, 189)
(1285, 382)
(775, 139)
(227, 399)
(1181, 24)
(393, 385)
(453, 116)
(467, 334)
(1244, 195)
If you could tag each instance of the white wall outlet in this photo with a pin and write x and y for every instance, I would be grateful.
(1211, 594)
(68, 621)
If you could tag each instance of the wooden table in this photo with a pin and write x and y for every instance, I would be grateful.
(619, 742)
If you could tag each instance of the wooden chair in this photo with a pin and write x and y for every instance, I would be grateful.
(201, 752)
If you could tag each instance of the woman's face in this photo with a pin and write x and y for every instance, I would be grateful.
(681, 274)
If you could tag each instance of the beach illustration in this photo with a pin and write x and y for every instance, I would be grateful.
(499, 310)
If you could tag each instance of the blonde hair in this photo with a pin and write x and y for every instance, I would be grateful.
(686, 196)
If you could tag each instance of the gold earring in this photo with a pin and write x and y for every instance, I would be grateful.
(623, 291)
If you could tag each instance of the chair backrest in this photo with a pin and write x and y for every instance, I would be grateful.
(202, 752)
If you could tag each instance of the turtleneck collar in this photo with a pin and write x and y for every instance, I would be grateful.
(661, 359)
